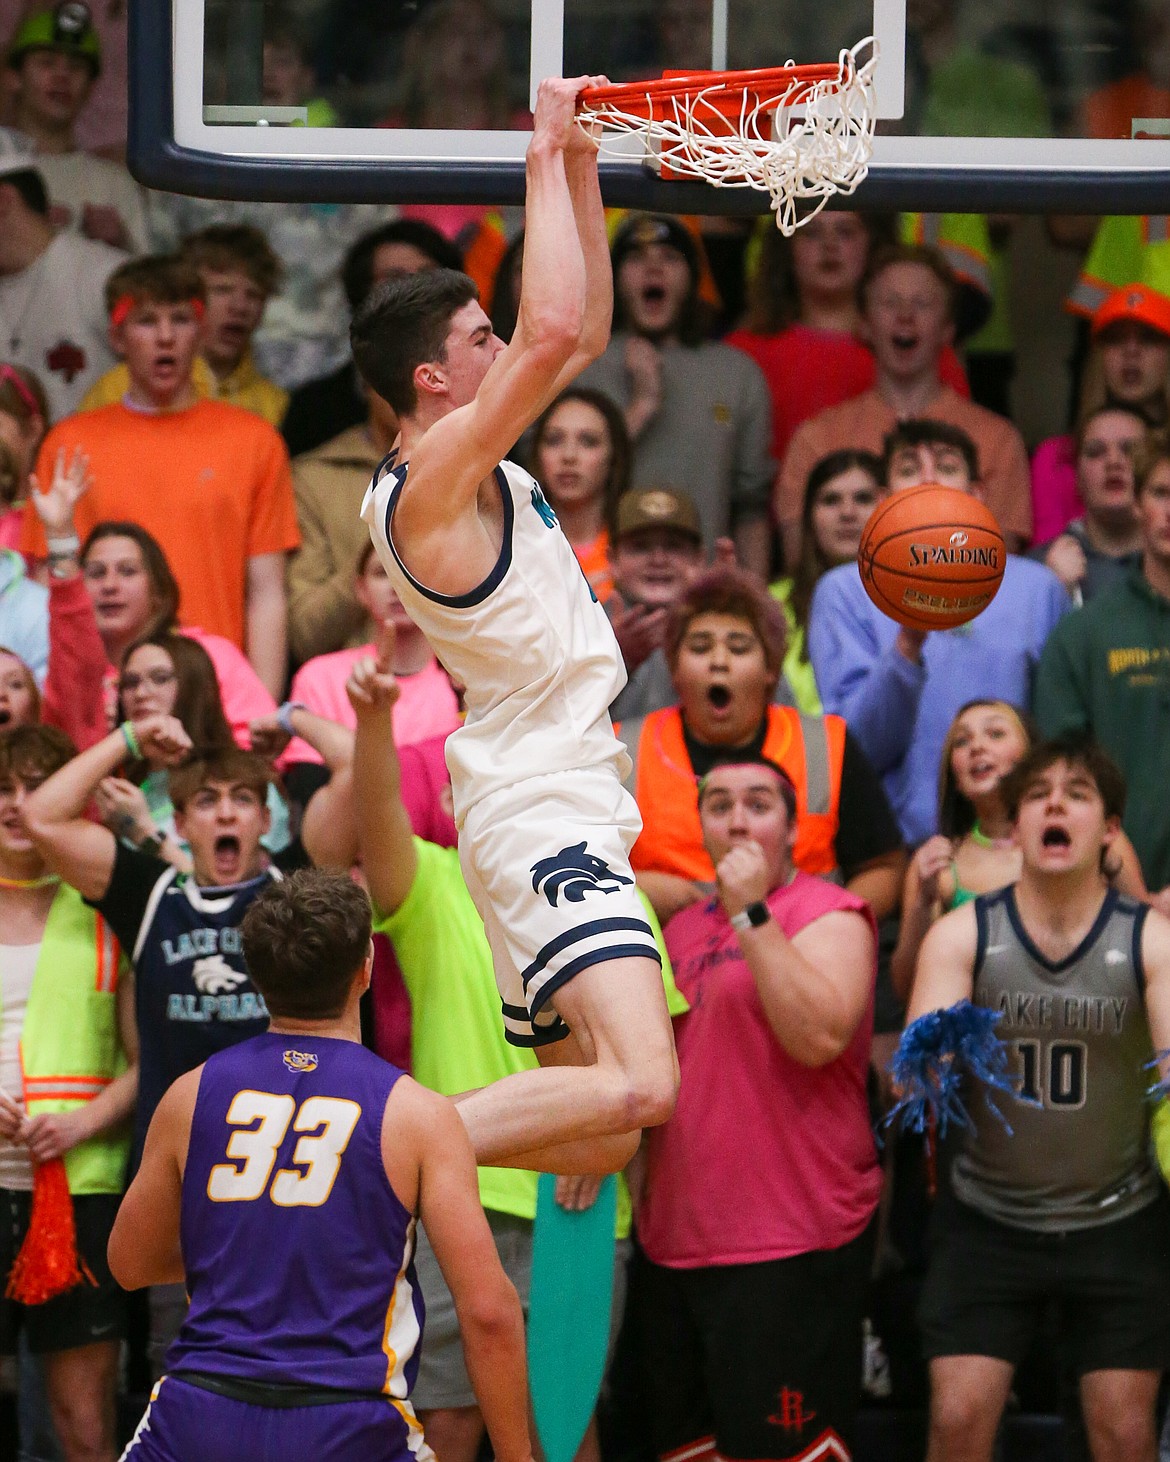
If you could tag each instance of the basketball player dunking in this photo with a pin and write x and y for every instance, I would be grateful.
(1068, 1206)
(477, 557)
(282, 1181)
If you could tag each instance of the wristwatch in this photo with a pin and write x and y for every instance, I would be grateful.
(751, 917)
(153, 842)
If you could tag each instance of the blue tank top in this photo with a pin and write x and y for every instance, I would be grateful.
(192, 992)
(298, 1253)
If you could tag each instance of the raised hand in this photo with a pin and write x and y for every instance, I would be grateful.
(639, 631)
(930, 862)
(55, 504)
(102, 222)
(123, 808)
(162, 739)
(267, 737)
(724, 556)
(742, 876)
(1066, 558)
(372, 685)
(555, 118)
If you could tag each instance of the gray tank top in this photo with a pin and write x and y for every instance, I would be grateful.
(1080, 1150)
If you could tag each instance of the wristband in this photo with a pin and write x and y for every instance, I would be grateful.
(152, 843)
(284, 716)
(131, 740)
(751, 917)
(65, 546)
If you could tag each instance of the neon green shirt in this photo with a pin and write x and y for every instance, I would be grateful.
(457, 1037)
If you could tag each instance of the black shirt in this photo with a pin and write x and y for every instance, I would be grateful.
(192, 993)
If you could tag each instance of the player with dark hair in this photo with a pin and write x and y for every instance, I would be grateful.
(304, 1147)
(1066, 1206)
(477, 557)
(191, 988)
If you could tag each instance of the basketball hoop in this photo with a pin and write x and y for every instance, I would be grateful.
(799, 133)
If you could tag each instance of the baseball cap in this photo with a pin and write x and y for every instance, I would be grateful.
(1134, 302)
(657, 507)
(642, 229)
(66, 27)
(16, 153)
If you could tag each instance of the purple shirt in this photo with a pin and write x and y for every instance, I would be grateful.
(298, 1253)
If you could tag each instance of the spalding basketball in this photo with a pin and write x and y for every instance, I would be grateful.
(931, 557)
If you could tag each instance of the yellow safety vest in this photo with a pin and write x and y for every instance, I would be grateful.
(1126, 249)
(70, 1049)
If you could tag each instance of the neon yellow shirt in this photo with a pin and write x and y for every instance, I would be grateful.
(457, 1037)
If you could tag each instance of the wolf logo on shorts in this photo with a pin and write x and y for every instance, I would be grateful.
(574, 872)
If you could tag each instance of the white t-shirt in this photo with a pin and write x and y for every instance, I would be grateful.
(18, 963)
(53, 318)
(77, 178)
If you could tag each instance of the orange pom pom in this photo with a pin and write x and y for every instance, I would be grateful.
(48, 1263)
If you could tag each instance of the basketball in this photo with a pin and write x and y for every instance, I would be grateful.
(931, 557)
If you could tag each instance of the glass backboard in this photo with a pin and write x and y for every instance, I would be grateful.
(1013, 105)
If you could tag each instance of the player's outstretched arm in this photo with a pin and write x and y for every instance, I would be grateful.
(945, 973)
(457, 452)
(82, 852)
(385, 836)
(144, 1242)
(589, 212)
(490, 1318)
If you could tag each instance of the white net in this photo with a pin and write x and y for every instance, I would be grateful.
(800, 141)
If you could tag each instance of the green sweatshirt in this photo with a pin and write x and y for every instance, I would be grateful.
(1106, 669)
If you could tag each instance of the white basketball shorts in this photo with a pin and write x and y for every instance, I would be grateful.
(547, 862)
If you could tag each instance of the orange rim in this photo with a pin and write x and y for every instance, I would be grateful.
(765, 84)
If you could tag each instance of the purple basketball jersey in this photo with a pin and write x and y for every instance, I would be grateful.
(298, 1252)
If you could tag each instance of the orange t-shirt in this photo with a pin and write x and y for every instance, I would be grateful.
(594, 560)
(211, 483)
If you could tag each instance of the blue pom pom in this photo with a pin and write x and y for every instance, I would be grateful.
(1158, 1090)
(936, 1052)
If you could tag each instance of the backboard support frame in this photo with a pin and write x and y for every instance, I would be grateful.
(1050, 175)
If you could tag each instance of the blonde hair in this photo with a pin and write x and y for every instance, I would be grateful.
(956, 816)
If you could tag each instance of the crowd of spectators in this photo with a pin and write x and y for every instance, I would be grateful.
(186, 586)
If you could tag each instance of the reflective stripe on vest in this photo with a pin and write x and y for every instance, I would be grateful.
(67, 1062)
(810, 749)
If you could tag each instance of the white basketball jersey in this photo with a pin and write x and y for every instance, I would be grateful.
(531, 644)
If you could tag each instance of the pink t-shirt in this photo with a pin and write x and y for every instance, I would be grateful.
(764, 1158)
(1055, 500)
(427, 704)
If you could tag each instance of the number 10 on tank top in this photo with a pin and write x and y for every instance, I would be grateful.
(1053, 1073)
(327, 1123)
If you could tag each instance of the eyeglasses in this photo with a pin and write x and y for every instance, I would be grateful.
(157, 678)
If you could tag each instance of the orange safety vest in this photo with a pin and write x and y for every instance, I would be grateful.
(811, 749)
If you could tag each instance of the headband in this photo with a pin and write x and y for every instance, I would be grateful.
(11, 376)
(120, 310)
